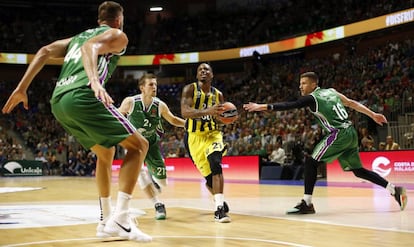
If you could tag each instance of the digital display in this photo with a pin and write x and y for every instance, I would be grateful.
(395, 166)
(240, 168)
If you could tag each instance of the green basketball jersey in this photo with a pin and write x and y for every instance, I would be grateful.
(330, 112)
(73, 74)
(146, 120)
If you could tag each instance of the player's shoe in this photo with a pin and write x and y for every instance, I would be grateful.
(400, 196)
(226, 207)
(160, 212)
(302, 208)
(100, 230)
(221, 216)
(128, 231)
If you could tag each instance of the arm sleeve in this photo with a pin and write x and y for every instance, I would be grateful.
(305, 101)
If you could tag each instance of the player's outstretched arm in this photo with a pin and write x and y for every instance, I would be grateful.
(111, 41)
(251, 106)
(55, 49)
(378, 118)
(170, 117)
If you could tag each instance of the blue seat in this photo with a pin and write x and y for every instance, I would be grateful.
(271, 172)
(298, 173)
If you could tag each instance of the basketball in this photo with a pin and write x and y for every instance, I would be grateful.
(230, 114)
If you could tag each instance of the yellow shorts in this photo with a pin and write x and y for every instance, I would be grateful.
(201, 145)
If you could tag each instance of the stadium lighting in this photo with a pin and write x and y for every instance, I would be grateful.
(154, 9)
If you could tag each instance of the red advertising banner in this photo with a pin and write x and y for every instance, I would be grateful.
(395, 166)
(241, 168)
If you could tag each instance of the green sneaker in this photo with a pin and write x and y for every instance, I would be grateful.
(160, 213)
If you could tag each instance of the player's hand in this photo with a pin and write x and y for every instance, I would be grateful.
(251, 106)
(100, 93)
(216, 110)
(15, 98)
(379, 119)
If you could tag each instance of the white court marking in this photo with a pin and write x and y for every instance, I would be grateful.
(387, 215)
(18, 189)
(166, 237)
(28, 216)
(44, 215)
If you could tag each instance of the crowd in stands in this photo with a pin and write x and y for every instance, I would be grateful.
(235, 25)
(226, 26)
(10, 149)
(381, 78)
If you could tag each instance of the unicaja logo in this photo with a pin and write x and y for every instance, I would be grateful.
(381, 166)
(11, 166)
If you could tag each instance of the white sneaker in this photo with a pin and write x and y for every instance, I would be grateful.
(100, 230)
(100, 233)
(129, 231)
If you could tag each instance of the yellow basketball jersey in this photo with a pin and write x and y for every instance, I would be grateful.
(202, 101)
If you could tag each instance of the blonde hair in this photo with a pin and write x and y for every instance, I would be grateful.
(144, 77)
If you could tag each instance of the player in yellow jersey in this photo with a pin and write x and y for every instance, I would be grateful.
(200, 104)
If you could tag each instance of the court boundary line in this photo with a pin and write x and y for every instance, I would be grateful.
(312, 221)
(164, 237)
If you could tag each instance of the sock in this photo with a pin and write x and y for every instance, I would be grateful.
(391, 188)
(155, 200)
(219, 199)
(308, 199)
(122, 207)
(106, 207)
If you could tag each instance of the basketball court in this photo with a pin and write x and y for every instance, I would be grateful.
(63, 211)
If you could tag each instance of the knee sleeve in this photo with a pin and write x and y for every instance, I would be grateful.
(215, 163)
(144, 179)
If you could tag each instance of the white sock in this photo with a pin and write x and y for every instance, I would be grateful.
(391, 188)
(105, 204)
(122, 207)
(155, 200)
(219, 199)
(308, 199)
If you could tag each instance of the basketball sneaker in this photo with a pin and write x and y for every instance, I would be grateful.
(127, 231)
(100, 230)
(400, 196)
(302, 208)
(160, 212)
(226, 207)
(221, 216)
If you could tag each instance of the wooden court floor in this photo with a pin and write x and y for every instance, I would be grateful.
(63, 211)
